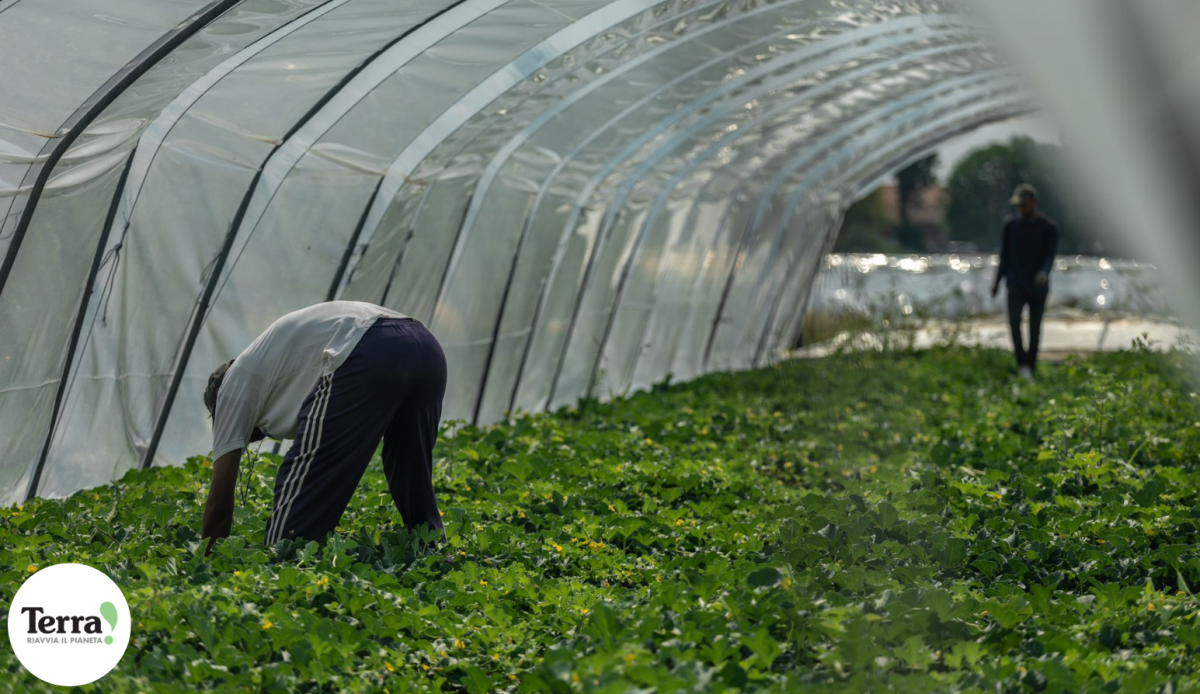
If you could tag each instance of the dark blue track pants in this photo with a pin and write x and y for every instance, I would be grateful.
(390, 388)
(1018, 299)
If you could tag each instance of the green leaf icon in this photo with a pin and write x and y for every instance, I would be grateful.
(109, 612)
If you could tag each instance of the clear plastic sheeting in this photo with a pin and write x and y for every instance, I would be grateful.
(579, 197)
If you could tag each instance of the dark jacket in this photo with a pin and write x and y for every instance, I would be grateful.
(1027, 248)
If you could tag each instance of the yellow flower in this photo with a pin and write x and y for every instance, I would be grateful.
(266, 624)
(610, 508)
(389, 667)
(424, 666)
(482, 582)
(512, 677)
(31, 568)
(237, 573)
(323, 581)
(584, 610)
(458, 644)
(787, 582)
(629, 658)
(679, 522)
(557, 547)
(495, 656)
(520, 514)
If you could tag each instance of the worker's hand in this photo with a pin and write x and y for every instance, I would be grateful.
(217, 525)
(1041, 279)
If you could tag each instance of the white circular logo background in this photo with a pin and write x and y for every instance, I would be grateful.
(69, 624)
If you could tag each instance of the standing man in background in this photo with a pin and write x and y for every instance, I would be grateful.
(1028, 244)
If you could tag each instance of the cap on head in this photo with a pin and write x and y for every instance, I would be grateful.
(1023, 192)
(214, 385)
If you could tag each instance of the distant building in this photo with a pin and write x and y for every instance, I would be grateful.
(926, 212)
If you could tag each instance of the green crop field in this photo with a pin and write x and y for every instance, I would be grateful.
(890, 521)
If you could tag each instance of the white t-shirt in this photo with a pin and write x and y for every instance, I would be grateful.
(268, 382)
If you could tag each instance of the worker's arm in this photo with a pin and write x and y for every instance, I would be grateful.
(218, 512)
(1051, 250)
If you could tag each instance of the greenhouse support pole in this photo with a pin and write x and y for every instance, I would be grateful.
(77, 329)
(777, 301)
(210, 285)
(94, 106)
(341, 268)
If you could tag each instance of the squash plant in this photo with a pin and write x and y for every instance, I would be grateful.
(891, 521)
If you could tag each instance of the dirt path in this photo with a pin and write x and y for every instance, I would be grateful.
(1060, 336)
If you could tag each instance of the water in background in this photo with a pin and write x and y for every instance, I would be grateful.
(954, 286)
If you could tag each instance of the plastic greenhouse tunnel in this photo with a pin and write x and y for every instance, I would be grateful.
(581, 199)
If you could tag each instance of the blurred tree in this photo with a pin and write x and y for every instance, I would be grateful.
(981, 184)
(910, 181)
(864, 227)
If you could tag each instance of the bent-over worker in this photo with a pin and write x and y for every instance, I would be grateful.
(335, 378)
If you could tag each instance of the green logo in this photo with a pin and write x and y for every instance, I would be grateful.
(109, 612)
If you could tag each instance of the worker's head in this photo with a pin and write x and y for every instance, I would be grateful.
(1025, 199)
(214, 386)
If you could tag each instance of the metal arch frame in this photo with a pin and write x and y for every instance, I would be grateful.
(999, 93)
(510, 148)
(506, 152)
(166, 121)
(295, 143)
(76, 329)
(477, 99)
(74, 127)
(617, 204)
(89, 110)
(613, 210)
(749, 230)
(151, 141)
(781, 177)
(1020, 107)
(201, 308)
(526, 227)
(814, 177)
(503, 153)
(699, 160)
(381, 202)
(632, 149)
(123, 201)
(991, 115)
(992, 100)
